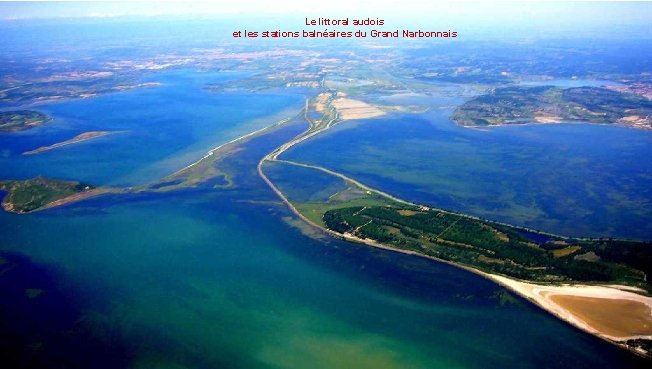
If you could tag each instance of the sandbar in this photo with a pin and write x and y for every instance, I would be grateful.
(79, 138)
(355, 109)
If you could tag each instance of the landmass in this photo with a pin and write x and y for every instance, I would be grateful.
(599, 285)
(79, 138)
(24, 196)
(546, 104)
(637, 88)
(20, 120)
(69, 86)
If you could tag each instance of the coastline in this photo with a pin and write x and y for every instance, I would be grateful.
(521, 288)
(235, 140)
(542, 295)
(104, 190)
(78, 197)
(9, 207)
(497, 126)
(537, 294)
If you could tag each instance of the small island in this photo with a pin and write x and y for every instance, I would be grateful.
(547, 104)
(20, 120)
(24, 196)
(79, 138)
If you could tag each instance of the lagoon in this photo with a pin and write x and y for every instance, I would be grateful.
(570, 179)
(161, 129)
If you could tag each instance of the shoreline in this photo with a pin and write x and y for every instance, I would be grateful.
(536, 294)
(508, 283)
(53, 99)
(211, 152)
(108, 190)
(85, 195)
(496, 126)
(78, 197)
(541, 294)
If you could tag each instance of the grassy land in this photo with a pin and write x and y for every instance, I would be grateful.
(314, 211)
(518, 105)
(496, 248)
(20, 120)
(28, 195)
(492, 247)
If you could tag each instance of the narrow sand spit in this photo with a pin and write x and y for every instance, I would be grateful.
(77, 139)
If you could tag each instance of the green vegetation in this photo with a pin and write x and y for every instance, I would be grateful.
(20, 120)
(313, 192)
(351, 196)
(495, 248)
(518, 105)
(28, 195)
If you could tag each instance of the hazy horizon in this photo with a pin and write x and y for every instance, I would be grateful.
(550, 17)
(472, 21)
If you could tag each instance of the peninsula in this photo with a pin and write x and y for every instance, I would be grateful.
(24, 196)
(547, 104)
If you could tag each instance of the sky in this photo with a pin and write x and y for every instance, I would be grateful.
(510, 16)
(483, 9)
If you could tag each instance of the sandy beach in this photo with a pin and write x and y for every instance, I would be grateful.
(606, 311)
(355, 109)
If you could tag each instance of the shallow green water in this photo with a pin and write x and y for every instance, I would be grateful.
(209, 279)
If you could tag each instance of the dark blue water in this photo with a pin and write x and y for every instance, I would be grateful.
(161, 129)
(303, 184)
(572, 179)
